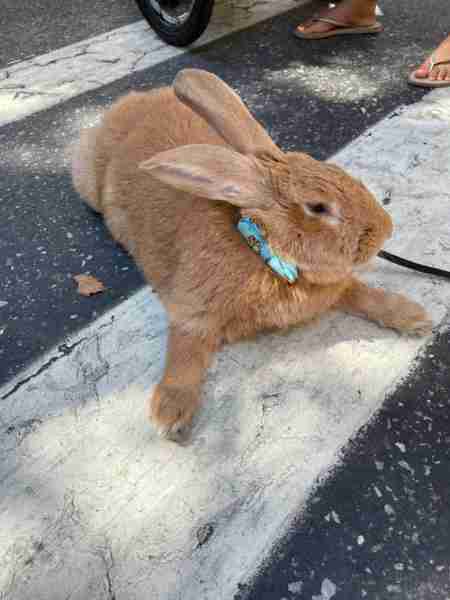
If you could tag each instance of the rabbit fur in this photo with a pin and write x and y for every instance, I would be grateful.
(172, 171)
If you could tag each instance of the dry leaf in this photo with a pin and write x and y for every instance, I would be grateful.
(88, 285)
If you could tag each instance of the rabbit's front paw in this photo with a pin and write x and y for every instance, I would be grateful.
(411, 318)
(172, 409)
(419, 327)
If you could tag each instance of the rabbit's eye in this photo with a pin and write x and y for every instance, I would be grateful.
(317, 209)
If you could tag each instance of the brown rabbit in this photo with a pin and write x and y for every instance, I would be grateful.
(173, 171)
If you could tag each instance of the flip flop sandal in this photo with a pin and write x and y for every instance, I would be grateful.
(339, 29)
(430, 83)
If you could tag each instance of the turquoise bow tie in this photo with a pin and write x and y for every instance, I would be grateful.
(255, 239)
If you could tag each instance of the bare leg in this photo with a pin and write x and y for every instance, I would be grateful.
(352, 12)
(387, 309)
(177, 397)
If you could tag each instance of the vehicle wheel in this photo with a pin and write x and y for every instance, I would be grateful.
(177, 22)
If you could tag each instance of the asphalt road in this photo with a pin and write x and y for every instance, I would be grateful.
(378, 527)
(34, 28)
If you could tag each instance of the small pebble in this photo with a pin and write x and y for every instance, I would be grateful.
(204, 533)
(406, 466)
(295, 587)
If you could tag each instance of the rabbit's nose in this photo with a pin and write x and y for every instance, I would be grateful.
(371, 239)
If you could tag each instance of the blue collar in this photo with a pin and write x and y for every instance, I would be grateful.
(255, 239)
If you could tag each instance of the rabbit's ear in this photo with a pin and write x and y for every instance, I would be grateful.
(214, 172)
(221, 107)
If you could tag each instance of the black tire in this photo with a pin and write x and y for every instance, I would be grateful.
(182, 33)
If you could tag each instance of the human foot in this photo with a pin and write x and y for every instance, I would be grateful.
(435, 71)
(349, 16)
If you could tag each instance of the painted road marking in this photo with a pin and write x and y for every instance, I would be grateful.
(91, 500)
(44, 81)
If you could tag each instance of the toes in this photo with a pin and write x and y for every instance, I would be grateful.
(414, 321)
(443, 74)
(422, 71)
(437, 73)
(406, 317)
(172, 410)
(178, 432)
(421, 328)
(434, 74)
(313, 27)
(302, 27)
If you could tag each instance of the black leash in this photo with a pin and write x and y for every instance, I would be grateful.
(413, 265)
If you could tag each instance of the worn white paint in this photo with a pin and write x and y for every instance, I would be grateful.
(93, 504)
(47, 80)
